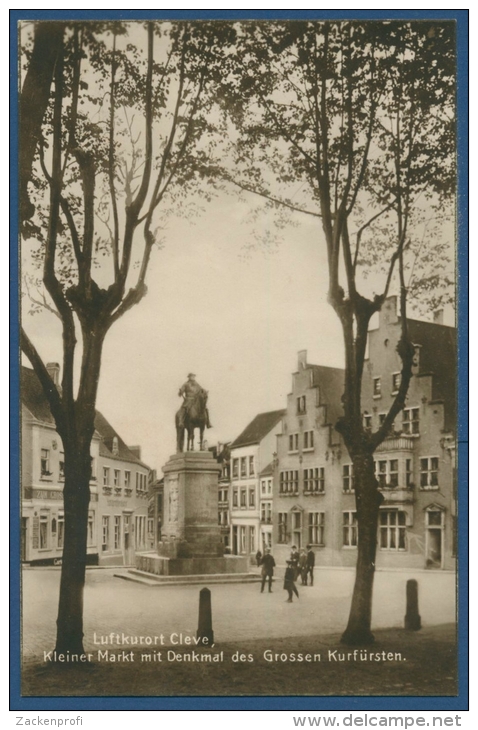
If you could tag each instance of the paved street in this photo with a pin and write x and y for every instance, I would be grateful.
(240, 612)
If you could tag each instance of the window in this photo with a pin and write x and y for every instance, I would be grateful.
(252, 497)
(386, 472)
(127, 480)
(411, 421)
(106, 476)
(225, 471)
(308, 440)
(243, 497)
(392, 530)
(350, 529)
(316, 528)
(116, 477)
(45, 463)
(266, 512)
(242, 539)
(409, 473)
(294, 442)
(269, 486)
(117, 535)
(377, 387)
(91, 528)
(396, 380)
(235, 502)
(243, 466)
(252, 539)
(314, 479)
(297, 528)
(62, 465)
(105, 532)
(289, 482)
(282, 538)
(301, 404)
(235, 468)
(429, 473)
(435, 523)
(61, 530)
(348, 477)
(140, 482)
(251, 466)
(381, 420)
(44, 516)
(263, 486)
(367, 422)
(93, 468)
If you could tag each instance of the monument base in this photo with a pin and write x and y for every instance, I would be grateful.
(159, 565)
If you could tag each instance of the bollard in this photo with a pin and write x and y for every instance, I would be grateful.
(205, 633)
(412, 617)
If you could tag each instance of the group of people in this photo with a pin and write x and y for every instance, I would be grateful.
(300, 563)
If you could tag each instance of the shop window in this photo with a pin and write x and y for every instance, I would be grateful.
(61, 531)
(44, 543)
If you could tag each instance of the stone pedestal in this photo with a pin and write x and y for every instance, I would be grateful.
(190, 537)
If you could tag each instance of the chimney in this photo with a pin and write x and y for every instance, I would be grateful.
(438, 316)
(302, 355)
(136, 450)
(53, 369)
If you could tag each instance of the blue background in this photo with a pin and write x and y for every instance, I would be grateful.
(246, 703)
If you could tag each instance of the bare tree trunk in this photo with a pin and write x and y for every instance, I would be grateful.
(76, 497)
(368, 500)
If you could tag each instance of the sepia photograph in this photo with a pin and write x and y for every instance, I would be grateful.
(239, 252)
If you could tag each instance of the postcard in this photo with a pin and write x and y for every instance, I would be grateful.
(238, 474)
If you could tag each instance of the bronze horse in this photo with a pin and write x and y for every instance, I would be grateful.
(194, 416)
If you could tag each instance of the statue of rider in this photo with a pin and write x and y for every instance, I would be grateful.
(189, 391)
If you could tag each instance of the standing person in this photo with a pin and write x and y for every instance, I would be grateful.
(294, 559)
(268, 565)
(310, 565)
(303, 567)
(258, 558)
(289, 579)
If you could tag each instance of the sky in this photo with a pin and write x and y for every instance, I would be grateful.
(233, 314)
(235, 317)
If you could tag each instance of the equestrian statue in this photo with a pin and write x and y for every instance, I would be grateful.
(192, 414)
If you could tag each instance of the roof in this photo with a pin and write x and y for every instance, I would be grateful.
(438, 358)
(108, 433)
(258, 428)
(268, 470)
(34, 399)
(33, 396)
(331, 389)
